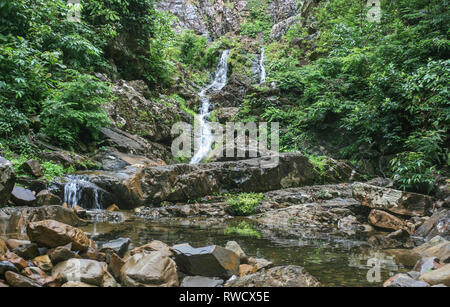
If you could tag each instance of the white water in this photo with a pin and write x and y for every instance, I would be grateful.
(74, 189)
(262, 79)
(204, 139)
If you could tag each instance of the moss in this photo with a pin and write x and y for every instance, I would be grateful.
(244, 204)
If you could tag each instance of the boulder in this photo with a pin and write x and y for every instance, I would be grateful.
(33, 167)
(154, 246)
(280, 276)
(437, 247)
(37, 275)
(260, 263)
(399, 202)
(17, 261)
(43, 262)
(234, 247)
(209, 261)
(15, 220)
(23, 197)
(14, 243)
(84, 270)
(118, 246)
(7, 180)
(115, 264)
(27, 251)
(201, 282)
(439, 276)
(46, 198)
(437, 225)
(385, 220)
(6, 266)
(52, 234)
(154, 269)
(406, 257)
(62, 253)
(3, 247)
(427, 264)
(35, 185)
(403, 280)
(19, 281)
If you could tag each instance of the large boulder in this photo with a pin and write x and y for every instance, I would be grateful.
(23, 197)
(280, 276)
(15, 220)
(209, 261)
(385, 220)
(404, 280)
(439, 276)
(52, 234)
(118, 246)
(7, 179)
(84, 270)
(399, 202)
(149, 270)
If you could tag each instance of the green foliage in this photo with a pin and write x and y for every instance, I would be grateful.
(244, 204)
(73, 111)
(258, 22)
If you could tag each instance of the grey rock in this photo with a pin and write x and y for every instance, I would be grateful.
(201, 282)
(7, 180)
(23, 197)
(119, 246)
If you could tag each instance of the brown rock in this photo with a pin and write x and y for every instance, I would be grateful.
(36, 274)
(14, 243)
(62, 253)
(51, 233)
(113, 208)
(3, 247)
(406, 257)
(439, 276)
(115, 265)
(154, 246)
(385, 220)
(46, 198)
(246, 269)
(33, 167)
(18, 262)
(19, 281)
(43, 262)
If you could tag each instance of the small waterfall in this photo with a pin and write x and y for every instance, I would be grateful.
(204, 140)
(79, 191)
(262, 68)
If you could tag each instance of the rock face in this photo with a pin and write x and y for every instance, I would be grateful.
(209, 261)
(23, 197)
(147, 270)
(281, 276)
(437, 225)
(399, 202)
(7, 179)
(15, 220)
(53, 234)
(84, 270)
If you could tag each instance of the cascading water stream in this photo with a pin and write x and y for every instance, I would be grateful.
(262, 68)
(204, 139)
(75, 189)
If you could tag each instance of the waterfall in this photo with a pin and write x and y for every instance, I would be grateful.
(262, 68)
(79, 191)
(205, 138)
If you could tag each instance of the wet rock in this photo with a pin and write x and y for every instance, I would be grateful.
(17, 261)
(46, 198)
(37, 275)
(437, 224)
(154, 246)
(152, 269)
(77, 284)
(115, 265)
(6, 266)
(234, 247)
(51, 234)
(437, 247)
(84, 270)
(396, 201)
(19, 281)
(439, 276)
(33, 167)
(62, 253)
(14, 243)
(260, 263)
(7, 180)
(80, 211)
(27, 251)
(247, 269)
(280, 276)
(118, 246)
(201, 282)
(15, 220)
(385, 220)
(209, 261)
(403, 280)
(23, 197)
(43, 262)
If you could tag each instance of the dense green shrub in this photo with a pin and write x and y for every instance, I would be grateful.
(244, 204)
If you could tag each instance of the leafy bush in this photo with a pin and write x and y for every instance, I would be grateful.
(73, 112)
(244, 204)
(244, 229)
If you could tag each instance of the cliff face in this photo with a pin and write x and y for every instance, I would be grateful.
(218, 17)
